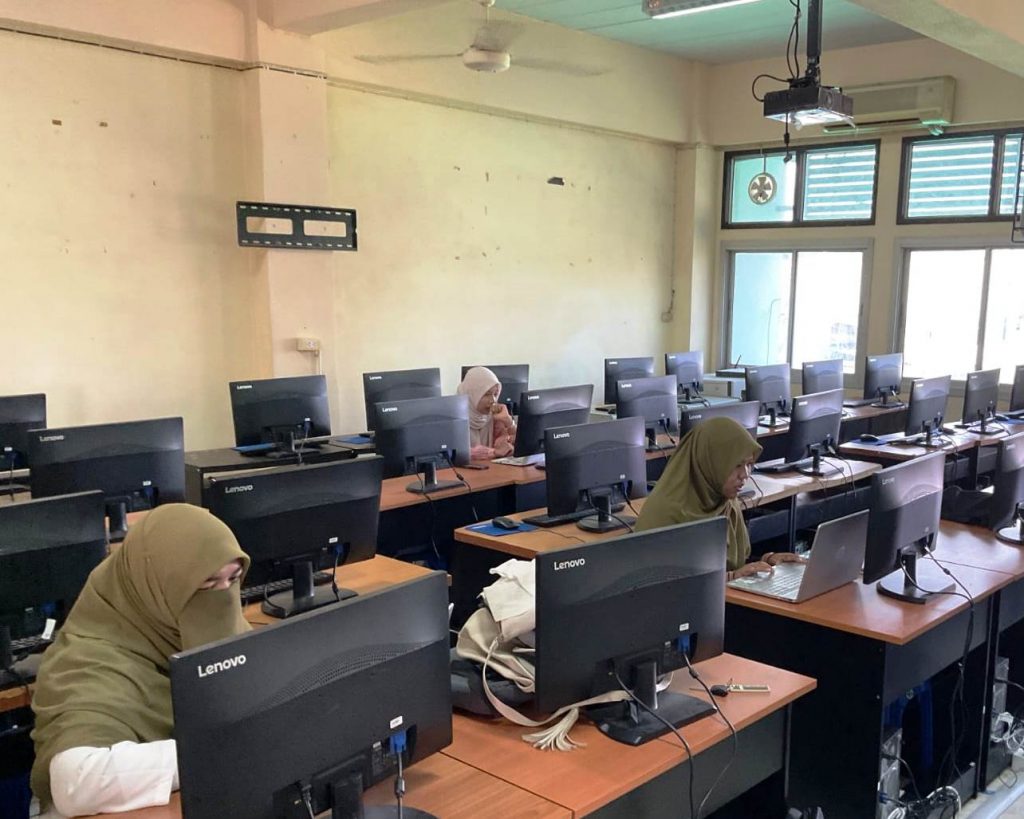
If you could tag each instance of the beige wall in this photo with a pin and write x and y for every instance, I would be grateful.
(125, 295)
(467, 253)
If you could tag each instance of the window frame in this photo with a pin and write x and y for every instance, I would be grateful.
(998, 150)
(864, 246)
(904, 248)
(800, 154)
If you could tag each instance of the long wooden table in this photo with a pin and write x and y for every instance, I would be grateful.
(489, 771)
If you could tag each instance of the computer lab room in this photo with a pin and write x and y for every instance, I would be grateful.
(512, 408)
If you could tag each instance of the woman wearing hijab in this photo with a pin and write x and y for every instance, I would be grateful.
(702, 480)
(492, 432)
(103, 696)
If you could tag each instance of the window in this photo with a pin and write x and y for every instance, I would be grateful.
(959, 178)
(981, 326)
(796, 306)
(823, 185)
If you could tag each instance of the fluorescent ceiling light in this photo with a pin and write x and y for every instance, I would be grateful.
(663, 9)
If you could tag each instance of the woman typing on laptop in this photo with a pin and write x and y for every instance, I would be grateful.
(703, 479)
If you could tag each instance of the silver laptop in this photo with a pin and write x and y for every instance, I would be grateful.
(836, 558)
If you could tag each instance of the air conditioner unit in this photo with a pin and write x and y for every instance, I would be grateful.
(907, 105)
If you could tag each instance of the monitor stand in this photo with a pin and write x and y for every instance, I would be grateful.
(1014, 534)
(304, 596)
(883, 401)
(429, 483)
(631, 724)
(117, 514)
(903, 584)
(603, 520)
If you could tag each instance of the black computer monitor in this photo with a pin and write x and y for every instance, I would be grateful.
(292, 519)
(770, 387)
(655, 400)
(981, 392)
(421, 434)
(514, 378)
(905, 504)
(630, 607)
(302, 716)
(688, 368)
(398, 385)
(19, 414)
(927, 406)
(744, 413)
(543, 409)
(1008, 485)
(814, 428)
(883, 377)
(47, 549)
(820, 376)
(136, 464)
(279, 410)
(594, 469)
(622, 369)
(1017, 391)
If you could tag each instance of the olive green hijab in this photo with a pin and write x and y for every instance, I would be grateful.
(105, 678)
(691, 486)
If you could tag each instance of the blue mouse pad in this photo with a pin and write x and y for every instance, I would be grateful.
(488, 528)
(360, 440)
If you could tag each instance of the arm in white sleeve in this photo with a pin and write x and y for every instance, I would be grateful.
(126, 776)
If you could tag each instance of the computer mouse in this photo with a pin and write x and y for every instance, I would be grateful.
(505, 523)
(868, 438)
(719, 690)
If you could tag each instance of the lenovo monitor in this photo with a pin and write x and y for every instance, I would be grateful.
(543, 409)
(1007, 483)
(655, 401)
(1017, 391)
(622, 369)
(927, 406)
(981, 392)
(594, 469)
(688, 369)
(302, 716)
(622, 613)
(421, 434)
(19, 414)
(279, 410)
(905, 504)
(514, 378)
(883, 378)
(821, 376)
(48, 547)
(814, 428)
(770, 387)
(136, 464)
(291, 520)
(744, 413)
(398, 385)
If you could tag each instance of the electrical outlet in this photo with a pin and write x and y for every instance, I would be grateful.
(307, 345)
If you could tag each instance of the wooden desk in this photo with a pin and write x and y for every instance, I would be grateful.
(440, 785)
(866, 651)
(959, 442)
(649, 780)
(770, 488)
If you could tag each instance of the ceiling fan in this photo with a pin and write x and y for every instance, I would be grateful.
(489, 52)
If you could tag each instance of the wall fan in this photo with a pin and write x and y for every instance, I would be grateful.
(489, 52)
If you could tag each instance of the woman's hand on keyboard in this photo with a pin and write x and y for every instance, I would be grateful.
(757, 567)
(775, 558)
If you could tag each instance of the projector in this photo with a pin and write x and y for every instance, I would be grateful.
(808, 104)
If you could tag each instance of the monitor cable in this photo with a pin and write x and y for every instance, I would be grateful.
(732, 729)
(433, 518)
(670, 726)
(464, 482)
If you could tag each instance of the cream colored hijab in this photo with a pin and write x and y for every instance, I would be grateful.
(105, 678)
(477, 382)
(691, 486)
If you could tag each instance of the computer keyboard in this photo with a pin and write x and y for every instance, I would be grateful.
(254, 594)
(857, 402)
(29, 645)
(547, 521)
(771, 469)
(781, 584)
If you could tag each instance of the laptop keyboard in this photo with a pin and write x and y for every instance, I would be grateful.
(781, 583)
